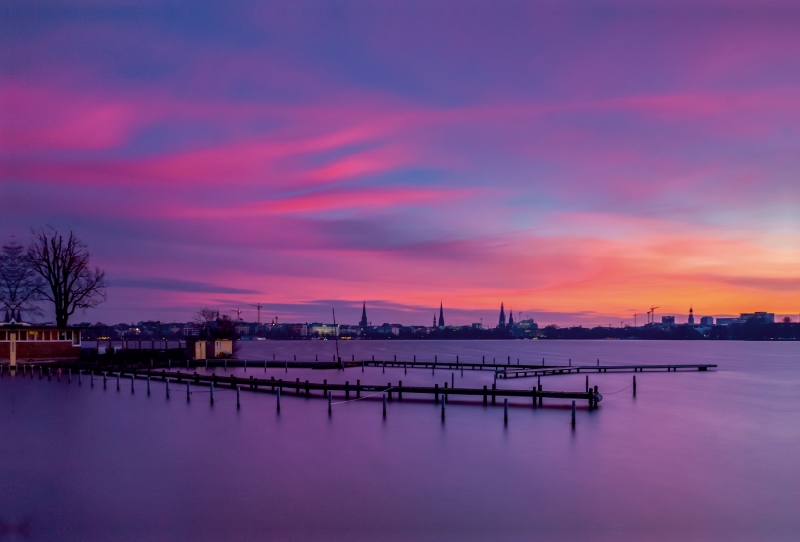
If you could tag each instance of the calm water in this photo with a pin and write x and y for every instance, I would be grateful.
(696, 456)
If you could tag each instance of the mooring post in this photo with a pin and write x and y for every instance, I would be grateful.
(452, 380)
(79, 377)
(167, 388)
(505, 411)
(148, 384)
(384, 367)
(69, 375)
(462, 370)
(443, 410)
(598, 362)
(362, 365)
(330, 402)
(187, 391)
(570, 362)
(245, 365)
(308, 390)
(265, 366)
(400, 390)
(389, 390)
(226, 364)
(297, 383)
(573, 414)
(436, 393)
(133, 379)
(483, 360)
(91, 378)
(325, 388)
(634, 385)
(405, 368)
(484, 395)
(278, 399)
(211, 392)
(238, 403)
(287, 366)
(384, 405)
(540, 395)
(494, 397)
(495, 376)
(206, 363)
(358, 389)
(587, 382)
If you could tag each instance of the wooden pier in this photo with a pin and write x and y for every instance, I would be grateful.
(321, 389)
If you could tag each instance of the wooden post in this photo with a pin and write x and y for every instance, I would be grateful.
(148, 384)
(325, 387)
(79, 377)
(358, 389)
(167, 388)
(347, 390)
(573, 414)
(587, 382)
(634, 385)
(278, 399)
(494, 397)
(484, 395)
(400, 390)
(384, 406)
(308, 390)
(362, 365)
(505, 411)
(389, 391)
(211, 392)
(330, 403)
(91, 378)
(245, 365)
(443, 410)
(187, 391)
(238, 404)
(69, 375)
(133, 379)
(117, 381)
(405, 368)
(436, 393)
(540, 394)
(452, 380)
(297, 390)
(384, 367)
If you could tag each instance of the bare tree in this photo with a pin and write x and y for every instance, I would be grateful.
(70, 283)
(206, 318)
(19, 282)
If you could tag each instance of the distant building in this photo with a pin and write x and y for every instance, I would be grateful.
(191, 331)
(501, 324)
(691, 315)
(323, 330)
(363, 322)
(760, 317)
(667, 320)
(727, 321)
(441, 315)
(707, 321)
(242, 329)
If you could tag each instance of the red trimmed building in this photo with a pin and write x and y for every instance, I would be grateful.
(23, 342)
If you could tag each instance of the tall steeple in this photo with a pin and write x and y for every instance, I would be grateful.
(441, 315)
(502, 323)
(363, 322)
(691, 315)
(510, 317)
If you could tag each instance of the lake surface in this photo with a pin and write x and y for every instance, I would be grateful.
(695, 456)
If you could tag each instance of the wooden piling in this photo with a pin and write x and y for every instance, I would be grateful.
(69, 375)
(505, 411)
(484, 395)
(238, 403)
(384, 406)
(389, 391)
(452, 380)
(436, 393)
(167, 388)
(539, 387)
(400, 390)
(634, 385)
(330, 403)
(358, 389)
(494, 398)
(278, 399)
(133, 379)
(347, 390)
(117, 381)
(443, 410)
(573, 414)
(148, 384)
(587, 382)
(211, 391)
(187, 392)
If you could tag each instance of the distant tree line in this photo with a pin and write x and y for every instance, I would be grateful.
(752, 330)
(53, 268)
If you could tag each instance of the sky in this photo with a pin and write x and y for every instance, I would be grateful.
(578, 161)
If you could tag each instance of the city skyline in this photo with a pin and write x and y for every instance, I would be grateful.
(581, 165)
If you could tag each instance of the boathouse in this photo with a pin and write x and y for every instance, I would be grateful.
(21, 341)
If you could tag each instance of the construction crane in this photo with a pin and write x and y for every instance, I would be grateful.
(635, 314)
(238, 313)
(258, 307)
(652, 312)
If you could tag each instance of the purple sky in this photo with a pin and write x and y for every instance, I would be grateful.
(579, 161)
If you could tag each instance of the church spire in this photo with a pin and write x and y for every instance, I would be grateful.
(441, 314)
(363, 322)
(502, 323)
